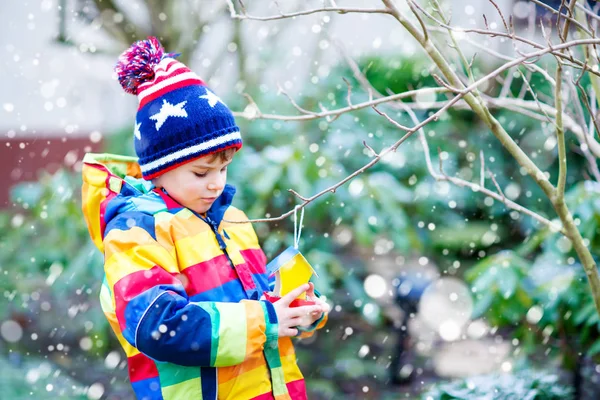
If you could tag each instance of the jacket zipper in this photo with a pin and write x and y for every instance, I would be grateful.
(220, 240)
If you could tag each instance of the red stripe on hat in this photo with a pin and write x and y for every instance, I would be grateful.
(167, 89)
(175, 72)
(148, 84)
(170, 75)
(169, 65)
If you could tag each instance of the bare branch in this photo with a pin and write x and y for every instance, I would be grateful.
(560, 135)
(529, 67)
(589, 13)
(340, 10)
(349, 95)
(507, 83)
(395, 123)
(527, 85)
(576, 63)
(585, 147)
(440, 160)
(570, 19)
(482, 172)
(412, 4)
(369, 147)
(519, 60)
(296, 106)
(297, 195)
(336, 113)
(442, 176)
(375, 160)
(492, 175)
(501, 15)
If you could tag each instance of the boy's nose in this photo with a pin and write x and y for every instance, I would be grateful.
(216, 184)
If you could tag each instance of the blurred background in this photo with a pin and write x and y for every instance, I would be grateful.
(437, 292)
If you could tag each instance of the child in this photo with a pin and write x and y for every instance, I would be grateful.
(183, 289)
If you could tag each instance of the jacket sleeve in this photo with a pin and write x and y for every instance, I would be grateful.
(155, 314)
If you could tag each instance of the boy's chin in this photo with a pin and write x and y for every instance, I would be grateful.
(200, 208)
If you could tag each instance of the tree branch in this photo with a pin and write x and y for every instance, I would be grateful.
(339, 10)
(560, 136)
(343, 110)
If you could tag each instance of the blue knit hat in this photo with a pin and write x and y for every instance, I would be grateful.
(179, 119)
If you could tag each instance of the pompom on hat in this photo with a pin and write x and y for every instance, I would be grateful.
(178, 119)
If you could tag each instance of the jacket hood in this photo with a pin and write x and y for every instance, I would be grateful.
(113, 184)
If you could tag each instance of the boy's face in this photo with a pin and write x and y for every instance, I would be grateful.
(197, 184)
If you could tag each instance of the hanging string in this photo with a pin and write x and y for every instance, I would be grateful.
(297, 229)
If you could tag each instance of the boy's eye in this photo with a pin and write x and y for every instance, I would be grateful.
(224, 169)
(200, 174)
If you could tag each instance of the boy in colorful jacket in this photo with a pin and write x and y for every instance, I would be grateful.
(183, 289)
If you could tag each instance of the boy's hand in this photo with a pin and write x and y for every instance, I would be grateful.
(315, 315)
(289, 317)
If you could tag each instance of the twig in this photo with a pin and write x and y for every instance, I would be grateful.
(589, 13)
(359, 171)
(296, 106)
(411, 5)
(394, 122)
(576, 62)
(560, 134)
(442, 176)
(529, 67)
(492, 175)
(527, 85)
(507, 83)
(519, 60)
(501, 15)
(297, 195)
(340, 111)
(570, 19)
(570, 229)
(482, 172)
(340, 10)
(592, 164)
(440, 160)
(369, 147)
(349, 95)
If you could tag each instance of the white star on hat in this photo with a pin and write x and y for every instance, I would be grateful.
(168, 110)
(136, 131)
(212, 98)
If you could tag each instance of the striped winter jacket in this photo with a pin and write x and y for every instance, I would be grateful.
(182, 291)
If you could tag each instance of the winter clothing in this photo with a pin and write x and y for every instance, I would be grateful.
(182, 292)
(178, 119)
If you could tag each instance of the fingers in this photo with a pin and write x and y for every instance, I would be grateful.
(303, 310)
(288, 298)
(295, 321)
(288, 332)
(310, 293)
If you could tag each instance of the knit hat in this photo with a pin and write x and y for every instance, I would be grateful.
(178, 119)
